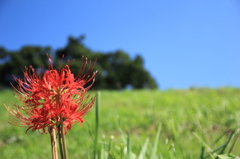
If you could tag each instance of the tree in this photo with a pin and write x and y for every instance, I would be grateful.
(12, 63)
(116, 70)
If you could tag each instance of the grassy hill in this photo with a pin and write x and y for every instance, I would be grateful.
(190, 120)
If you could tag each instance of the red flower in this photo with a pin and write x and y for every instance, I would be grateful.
(51, 96)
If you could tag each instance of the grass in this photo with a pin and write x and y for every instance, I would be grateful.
(191, 121)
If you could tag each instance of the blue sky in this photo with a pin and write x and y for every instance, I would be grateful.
(184, 43)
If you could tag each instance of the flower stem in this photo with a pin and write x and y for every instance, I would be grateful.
(63, 139)
(53, 143)
(60, 142)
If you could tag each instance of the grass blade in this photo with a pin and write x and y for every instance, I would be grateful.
(234, 142)
(202, 142)
(128, 147)
(97, 124)
(227, 142)
(178, 148)
(144, 149)
(154, 150)
(122, 150)
(202, 152)
(122, 134)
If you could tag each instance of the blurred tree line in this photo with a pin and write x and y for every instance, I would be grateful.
(116, 70)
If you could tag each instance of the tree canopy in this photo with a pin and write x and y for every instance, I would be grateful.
(116, 70)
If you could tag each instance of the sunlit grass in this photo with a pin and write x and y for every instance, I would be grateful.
(181, 113)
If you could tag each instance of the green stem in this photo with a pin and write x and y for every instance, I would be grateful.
(63, 139)
(97, 124)
(128, 146)
(60, 133)
(60, 142)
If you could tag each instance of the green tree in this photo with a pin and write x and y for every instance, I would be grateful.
(116, 70)
(12, 63)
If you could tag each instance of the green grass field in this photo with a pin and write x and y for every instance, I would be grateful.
(189, 119)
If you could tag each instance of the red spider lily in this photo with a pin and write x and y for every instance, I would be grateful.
(47, 98)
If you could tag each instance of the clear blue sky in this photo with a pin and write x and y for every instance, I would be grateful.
(184, 43)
